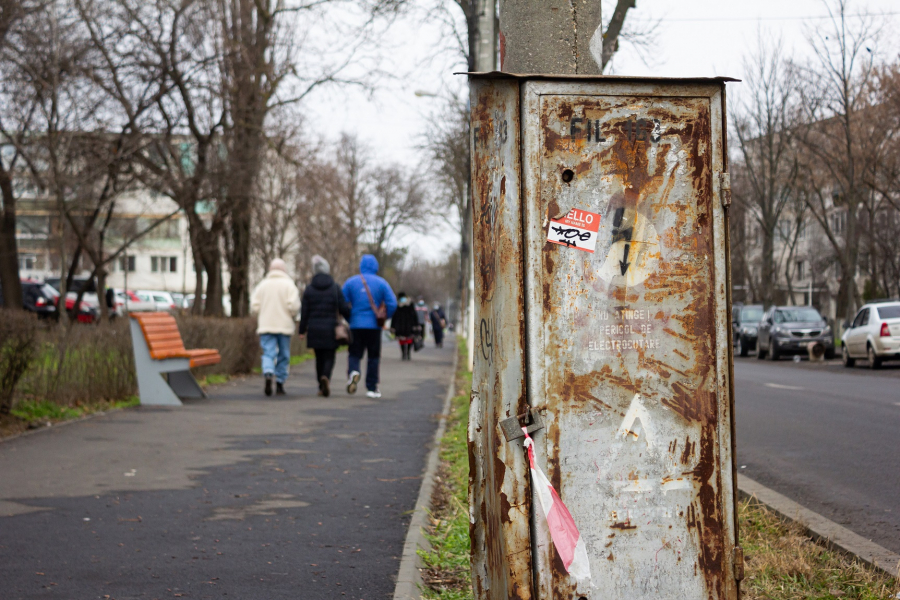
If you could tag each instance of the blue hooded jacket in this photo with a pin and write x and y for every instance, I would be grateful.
(361, 314)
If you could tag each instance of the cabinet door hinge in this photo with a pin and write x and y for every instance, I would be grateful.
(725, 188)
(738, 560)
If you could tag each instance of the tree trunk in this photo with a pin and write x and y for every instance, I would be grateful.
(239, 265)
(211, 255)
(767, 272)
(9, 254)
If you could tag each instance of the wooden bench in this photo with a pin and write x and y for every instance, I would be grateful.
(162, 363)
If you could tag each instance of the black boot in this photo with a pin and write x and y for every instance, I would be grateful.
(279, 389)
(268, 388)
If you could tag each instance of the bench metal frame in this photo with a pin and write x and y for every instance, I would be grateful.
(162, 382)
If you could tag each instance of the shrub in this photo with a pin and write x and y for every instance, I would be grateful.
(85, 364)
(18, 332)
(82, 364)
(235, 339)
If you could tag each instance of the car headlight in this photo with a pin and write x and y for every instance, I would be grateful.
(750, 330)
(827, 330)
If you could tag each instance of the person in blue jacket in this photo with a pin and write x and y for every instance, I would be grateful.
(365, 293)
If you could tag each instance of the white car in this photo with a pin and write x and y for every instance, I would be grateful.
(874, 334)
(164, 300)
(128, 301)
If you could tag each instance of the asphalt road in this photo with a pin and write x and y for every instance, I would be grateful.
(826, 437)
(238, 496)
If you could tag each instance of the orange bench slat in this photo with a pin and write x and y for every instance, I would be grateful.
(164, 340)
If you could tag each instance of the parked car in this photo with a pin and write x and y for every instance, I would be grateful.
(164, 300)
(745, 326)
(179, 300)
(128, 301)
(88, 298)
(226, 303)
(39, 298)
(790, 329)
(873, 335)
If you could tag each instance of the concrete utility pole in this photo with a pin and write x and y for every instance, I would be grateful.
(486, 55)
(562, 37)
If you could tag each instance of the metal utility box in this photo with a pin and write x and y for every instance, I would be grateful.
(603, 322)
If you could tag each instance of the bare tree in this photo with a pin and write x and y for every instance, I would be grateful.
(47, 102)
(10, 10)
(841, 137)
(397, 203)
(766, 170)
(262, 70)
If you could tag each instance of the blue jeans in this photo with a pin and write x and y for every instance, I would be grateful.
(276, 354)
(366, 341)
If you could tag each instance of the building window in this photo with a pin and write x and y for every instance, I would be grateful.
(127, 263)
(27, 261)
(164, 264)
(839, 222)
(800, 266)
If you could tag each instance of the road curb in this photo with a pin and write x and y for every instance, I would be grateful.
(409, 578)
(821, 529)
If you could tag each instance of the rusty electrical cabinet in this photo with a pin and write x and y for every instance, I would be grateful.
(602, 323)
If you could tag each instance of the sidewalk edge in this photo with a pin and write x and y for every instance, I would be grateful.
(822, 529)
(408, 577)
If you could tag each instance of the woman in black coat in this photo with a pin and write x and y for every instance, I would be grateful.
(405, 325)
(322, 300)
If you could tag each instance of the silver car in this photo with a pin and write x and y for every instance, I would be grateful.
(874, 335)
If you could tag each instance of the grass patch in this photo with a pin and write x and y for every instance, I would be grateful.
(296, 359)
(39, 411)
(214, 379)
(447, 575)
(782, 563)
(301, 358)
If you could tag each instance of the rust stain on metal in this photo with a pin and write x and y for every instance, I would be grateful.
(499, 491)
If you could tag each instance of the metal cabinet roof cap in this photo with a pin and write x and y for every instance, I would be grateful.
(626, 78)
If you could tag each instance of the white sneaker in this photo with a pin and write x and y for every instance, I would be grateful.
(351, 383)
(375, 394)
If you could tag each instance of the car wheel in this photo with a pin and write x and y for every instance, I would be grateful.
(742, 347)
(773, 350)
(846, 358)
(874, 361)
(829, 354)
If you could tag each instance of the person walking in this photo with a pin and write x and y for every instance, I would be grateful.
(405, 325)
(322, 302)
(276, 301)
(422, 315)
(438, 322)
(372, 302)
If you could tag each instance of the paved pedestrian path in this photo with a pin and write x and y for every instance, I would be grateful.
(238, 496)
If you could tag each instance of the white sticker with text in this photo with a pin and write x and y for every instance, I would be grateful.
(578, 229)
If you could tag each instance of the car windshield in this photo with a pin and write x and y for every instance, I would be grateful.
(49, 292)
(751, 314)
(889, 312)
(796, 315)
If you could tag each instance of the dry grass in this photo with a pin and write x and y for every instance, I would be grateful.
(447, 574)
(782, 563)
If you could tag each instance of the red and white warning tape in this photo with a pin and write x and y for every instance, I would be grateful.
(568, 541)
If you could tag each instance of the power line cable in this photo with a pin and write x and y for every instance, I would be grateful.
(725, 19)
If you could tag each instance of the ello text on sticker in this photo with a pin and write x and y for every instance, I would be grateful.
(578, 229)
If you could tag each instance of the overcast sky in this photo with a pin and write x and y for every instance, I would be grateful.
(693, 38)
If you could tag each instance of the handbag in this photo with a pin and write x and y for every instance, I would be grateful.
(418, 343)
(342, 334)
(381, 310)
